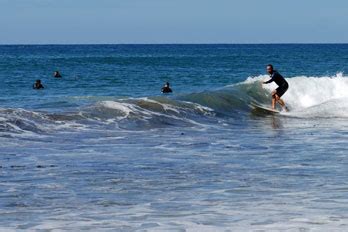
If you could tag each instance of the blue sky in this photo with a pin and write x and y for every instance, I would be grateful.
(173, 21)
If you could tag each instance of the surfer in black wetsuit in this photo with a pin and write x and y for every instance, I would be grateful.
(282, 87)
(56, 74)
(38, 85)
(166, 88)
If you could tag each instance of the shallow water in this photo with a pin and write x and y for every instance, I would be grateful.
(106, 151)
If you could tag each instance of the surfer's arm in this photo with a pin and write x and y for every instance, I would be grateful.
(269, 81)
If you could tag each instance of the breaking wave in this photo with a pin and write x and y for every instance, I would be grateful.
(324, 97)
(307, 97)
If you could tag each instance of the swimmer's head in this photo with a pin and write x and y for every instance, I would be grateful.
(56, 74)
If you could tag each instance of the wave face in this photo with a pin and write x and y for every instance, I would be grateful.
(306, 97)
(314, 97)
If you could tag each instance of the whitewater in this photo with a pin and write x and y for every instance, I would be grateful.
(315, 96)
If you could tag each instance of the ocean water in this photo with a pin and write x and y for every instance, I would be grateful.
(102, 149)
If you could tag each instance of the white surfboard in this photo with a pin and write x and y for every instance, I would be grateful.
(265, 108)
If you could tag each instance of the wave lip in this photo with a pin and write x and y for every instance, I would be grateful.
(149, 113)
(20, 121)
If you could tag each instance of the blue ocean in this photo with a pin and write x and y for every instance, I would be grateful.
(102, 149)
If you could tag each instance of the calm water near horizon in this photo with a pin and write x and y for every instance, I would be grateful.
(102, 149)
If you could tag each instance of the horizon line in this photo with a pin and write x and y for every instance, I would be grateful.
(267, 43)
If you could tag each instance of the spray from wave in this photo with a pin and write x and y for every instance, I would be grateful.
(312, 96)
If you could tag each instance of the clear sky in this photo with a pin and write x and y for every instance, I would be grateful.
(173, 21)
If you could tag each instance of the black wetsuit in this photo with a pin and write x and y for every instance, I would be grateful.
(280, 81)
(38, 86)
(166, 90)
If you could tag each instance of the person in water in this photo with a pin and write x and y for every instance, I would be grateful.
(282, 87)
(38, 85)
(166, 88)
(56, 74)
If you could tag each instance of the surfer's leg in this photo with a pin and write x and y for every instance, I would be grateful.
(274, 99)
(279, 93)
(273, 103)
(282, 103)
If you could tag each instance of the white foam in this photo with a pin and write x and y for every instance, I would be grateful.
(313, 96)
(166, 107)
(123, 107)
(141, 113)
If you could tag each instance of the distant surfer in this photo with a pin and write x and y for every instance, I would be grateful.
(38, 85)
(282, 87)
(56, 74)
(166, 88)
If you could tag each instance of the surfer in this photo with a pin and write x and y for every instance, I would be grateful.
(38, 85)
(56, 74)
(282, 87)
(166, 88)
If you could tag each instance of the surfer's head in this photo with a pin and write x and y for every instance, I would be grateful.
(57, 74)
(270, 68)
